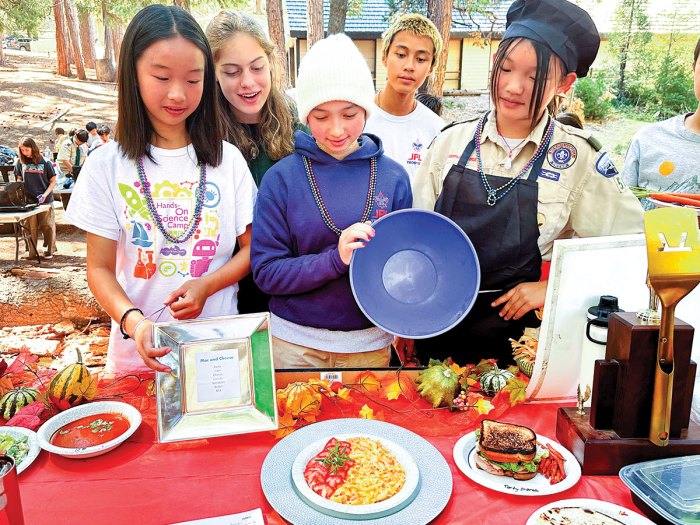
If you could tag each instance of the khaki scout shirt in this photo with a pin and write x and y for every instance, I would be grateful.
(580, 193)
(69, 150)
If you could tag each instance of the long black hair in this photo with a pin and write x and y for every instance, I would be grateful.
(544, 60)
(134, 130)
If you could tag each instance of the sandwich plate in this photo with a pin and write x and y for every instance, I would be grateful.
(566, 511)
(464, 454)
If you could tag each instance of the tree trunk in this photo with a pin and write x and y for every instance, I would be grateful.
(258, 7)
(440, 12)
(336, 16)
(87, 38)
(41, 296)
(107, 25)
(275, 27)
(185, 4)
(2, 51)
(63, 67)
(314, 22)
(72, 22)
(117, 36)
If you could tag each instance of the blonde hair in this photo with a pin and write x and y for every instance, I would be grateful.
(276, 127)
(416, 24)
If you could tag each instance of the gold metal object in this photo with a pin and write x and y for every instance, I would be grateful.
(650, 315)
(581, 399)
(673, 250)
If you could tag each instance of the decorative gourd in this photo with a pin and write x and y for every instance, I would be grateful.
(526, 366)
(299, 400)
(492, 381)
(17, 398)
(438, 384)
(72, 384)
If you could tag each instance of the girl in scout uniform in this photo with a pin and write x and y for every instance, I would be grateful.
(515, 180)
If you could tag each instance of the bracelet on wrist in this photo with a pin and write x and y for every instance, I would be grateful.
(136, 326)
(123, 319)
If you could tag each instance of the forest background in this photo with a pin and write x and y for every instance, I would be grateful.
(646, 71)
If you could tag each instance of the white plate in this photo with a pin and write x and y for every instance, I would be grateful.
(660, 204)
(34, 448)
(374, 510)
(617, 512)
(72, 414)
(465, 450)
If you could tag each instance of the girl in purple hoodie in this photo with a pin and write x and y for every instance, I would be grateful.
(315, 207)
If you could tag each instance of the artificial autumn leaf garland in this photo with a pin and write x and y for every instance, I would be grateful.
(459, 390)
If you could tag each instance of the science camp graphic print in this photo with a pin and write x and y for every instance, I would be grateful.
(175, 208)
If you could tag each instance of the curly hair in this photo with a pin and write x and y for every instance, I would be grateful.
(277, 118)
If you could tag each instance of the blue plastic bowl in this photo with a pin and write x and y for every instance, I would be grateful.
(418, 277)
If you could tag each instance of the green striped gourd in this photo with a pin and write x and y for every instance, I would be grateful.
(492, 381)
(71, 383)
(17, 398)
(526, 367)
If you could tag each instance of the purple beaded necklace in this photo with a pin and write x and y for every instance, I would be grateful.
(196, 216)
(322, 205)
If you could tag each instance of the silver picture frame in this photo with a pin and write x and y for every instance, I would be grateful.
(222, 379)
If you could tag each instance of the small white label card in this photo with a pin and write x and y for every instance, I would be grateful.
(218, 375)
(252, 517)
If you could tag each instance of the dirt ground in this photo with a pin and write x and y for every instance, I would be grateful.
(32, 96)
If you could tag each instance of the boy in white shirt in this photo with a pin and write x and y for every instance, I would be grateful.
(409, 50)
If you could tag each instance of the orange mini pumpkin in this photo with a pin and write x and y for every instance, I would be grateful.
(299, 400)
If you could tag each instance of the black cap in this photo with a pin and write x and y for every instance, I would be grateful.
(562, 26)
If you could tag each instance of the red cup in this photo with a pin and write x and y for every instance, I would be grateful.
(10, 502)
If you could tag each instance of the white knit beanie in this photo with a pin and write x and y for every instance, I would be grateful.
(333, 69)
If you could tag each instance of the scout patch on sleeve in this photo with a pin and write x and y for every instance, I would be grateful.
(562, 155)
(551, 175)
(605, 166)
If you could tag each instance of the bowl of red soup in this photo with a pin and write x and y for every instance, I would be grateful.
(89, 430)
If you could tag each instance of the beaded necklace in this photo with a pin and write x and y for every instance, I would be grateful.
(322, 206)
(196, 216)
(492, 196)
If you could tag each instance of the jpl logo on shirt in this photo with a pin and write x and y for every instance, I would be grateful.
(415, 156)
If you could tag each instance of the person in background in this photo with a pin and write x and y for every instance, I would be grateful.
(73, 152)
(515, 180)
(93, 137)
(103, 132)
(60, 137)
(409, 50)
(258, 117)
(314, 209)
(431, 102)
(664, 157)
(39, 180)
(569, 119)
(164, 204)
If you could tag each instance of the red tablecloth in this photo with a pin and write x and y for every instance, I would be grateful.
(143, 482)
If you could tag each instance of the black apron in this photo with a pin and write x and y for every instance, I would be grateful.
(505, 239)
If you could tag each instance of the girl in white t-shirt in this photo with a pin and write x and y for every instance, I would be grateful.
(164, 204)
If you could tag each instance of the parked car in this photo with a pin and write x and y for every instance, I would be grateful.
(22, 43)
